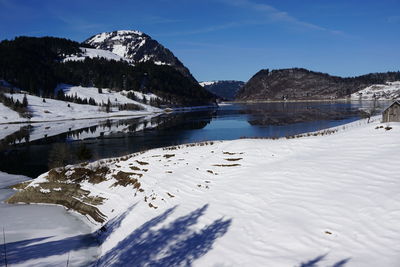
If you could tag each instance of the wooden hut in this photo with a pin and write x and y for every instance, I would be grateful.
(392, 113)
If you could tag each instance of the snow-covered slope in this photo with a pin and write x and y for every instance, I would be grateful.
(7, 114)
(53, 110)
(388, 91)
(334, 199)
(94, 53)
(137, 47)
(116, 98)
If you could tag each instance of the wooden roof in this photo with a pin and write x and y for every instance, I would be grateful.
(397, 102)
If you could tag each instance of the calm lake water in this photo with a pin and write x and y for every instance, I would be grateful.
(31, 149)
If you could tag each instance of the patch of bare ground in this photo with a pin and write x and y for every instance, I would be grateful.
(134, 168)
(125, 178)
(226, 165)
(233, 159)
(77, 175)
(152, 206)
(231, 153)
(69, 195)
(69, 192)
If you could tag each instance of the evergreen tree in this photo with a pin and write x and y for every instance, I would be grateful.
(25, 101)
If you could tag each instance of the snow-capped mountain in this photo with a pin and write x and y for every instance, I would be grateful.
(137, 47)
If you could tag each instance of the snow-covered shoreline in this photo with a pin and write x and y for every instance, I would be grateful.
(254, 202)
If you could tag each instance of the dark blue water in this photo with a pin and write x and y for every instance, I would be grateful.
(113, 138)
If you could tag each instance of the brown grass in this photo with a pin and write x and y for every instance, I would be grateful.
(125, 179)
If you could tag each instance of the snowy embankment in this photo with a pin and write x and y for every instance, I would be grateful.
(388, 91)
(332, 198)
(56, 110)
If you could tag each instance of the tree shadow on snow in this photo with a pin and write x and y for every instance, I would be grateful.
(171, 245)
(21, 251)
(319, 259)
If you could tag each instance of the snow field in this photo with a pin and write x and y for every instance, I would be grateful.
(268, 202)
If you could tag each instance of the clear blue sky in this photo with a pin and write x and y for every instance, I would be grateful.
(231, 39)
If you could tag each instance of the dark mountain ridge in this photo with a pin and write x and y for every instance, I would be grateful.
(303, 84)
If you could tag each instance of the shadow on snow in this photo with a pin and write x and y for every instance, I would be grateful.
(319, 259)
(173, 244)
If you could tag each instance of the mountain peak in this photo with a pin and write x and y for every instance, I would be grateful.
(137, 47)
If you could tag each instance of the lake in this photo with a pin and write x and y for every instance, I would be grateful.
(32, 149)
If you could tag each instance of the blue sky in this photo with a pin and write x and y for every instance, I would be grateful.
(231, 39)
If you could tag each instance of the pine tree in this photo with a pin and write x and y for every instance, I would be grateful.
(25, 101)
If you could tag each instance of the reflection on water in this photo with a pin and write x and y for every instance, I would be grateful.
(31, 149)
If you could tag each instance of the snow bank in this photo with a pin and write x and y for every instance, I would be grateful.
(333, 199)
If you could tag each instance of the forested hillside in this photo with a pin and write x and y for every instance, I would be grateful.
(36, 65)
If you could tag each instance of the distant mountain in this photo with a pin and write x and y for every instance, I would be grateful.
(137, 47)
(224, 89)
(302, 84)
